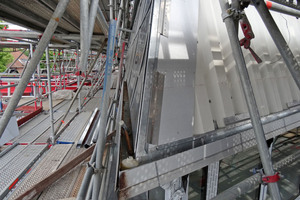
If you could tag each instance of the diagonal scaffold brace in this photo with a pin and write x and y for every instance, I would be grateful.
(231, 26)
(43, 43)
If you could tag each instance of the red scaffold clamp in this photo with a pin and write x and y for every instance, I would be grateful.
(249, 35)
(271, 179)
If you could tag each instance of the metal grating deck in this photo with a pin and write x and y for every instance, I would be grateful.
(10, 155)
(73, 132)
(12, 172)
(45, 136)
(46, 166)
(39, 129)
(92, 104)
(38, 119)
(63, 187)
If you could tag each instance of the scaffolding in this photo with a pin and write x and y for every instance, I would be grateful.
(183, 89)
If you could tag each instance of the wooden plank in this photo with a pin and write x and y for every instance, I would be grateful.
(39, 187)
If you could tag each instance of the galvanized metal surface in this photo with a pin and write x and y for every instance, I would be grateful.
(10, 155)
(74, 130)
(293, 4)
(148, 176)
(39, 12)
(93, 103)
(212, 180)
(39, 119)
(38, 130)
(63, 187)
(49, 163)
(45, 136)
(13, 171)
(78, 182)
(114, 155)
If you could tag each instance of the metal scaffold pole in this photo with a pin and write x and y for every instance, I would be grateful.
(84, 34)
(103, 118)
(249, 96)
(78, 91)
(50, 96)
(279, 40)
(43, 43)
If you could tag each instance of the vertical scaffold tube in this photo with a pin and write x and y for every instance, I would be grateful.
(50, 96)
(43, 43)
(103, 118)
(249, 95)
(84, 34)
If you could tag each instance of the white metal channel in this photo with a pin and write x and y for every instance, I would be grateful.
(18, 166)
(10, 155)
(72, 133)
(48, 164)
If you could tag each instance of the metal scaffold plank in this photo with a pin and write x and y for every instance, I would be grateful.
(47, 165)
(72, 133)
(67, 181)
(39, 119)
(10, 155)
(11, 173)
(45, 136)
(38, 130)
(92, 104)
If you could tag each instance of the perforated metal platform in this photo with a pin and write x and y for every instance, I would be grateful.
(45, 136)
(38, 119)
(12, 172)
(92, 104)
(38, 130)
(63, 187)
(10, 155)
(46, 166)
(73, 132)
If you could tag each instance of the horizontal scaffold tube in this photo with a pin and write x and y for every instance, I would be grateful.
(250, 183)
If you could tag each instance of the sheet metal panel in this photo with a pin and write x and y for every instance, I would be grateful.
(177, 61)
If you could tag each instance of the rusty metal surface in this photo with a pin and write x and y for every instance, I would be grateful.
(77, 183)
(62, 188)
(46, 166)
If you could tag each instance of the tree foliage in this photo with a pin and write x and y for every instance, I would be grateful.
(43, 58)
(5, 56)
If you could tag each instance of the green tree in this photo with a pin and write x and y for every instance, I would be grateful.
(5, 56)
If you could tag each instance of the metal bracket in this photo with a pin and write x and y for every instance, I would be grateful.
(95, 170)
(271, 179)
(236, 14)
